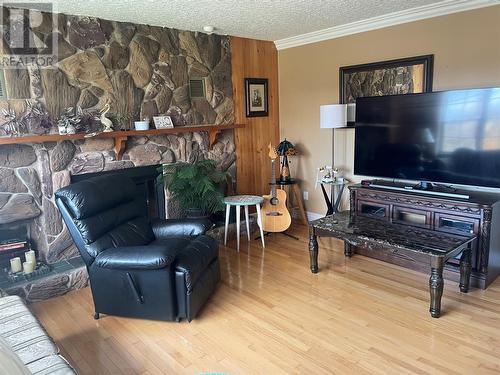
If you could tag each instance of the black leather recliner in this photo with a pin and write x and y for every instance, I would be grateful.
(162, 271)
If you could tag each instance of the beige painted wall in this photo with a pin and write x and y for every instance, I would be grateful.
(466, 52)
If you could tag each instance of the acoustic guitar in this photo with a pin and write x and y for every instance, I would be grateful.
(275, 215)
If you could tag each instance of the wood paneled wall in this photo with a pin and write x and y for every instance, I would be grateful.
(254, 59)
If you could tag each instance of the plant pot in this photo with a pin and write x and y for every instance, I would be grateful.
(141, 125)
(196, 213)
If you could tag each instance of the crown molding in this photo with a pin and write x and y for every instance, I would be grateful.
(379, 22)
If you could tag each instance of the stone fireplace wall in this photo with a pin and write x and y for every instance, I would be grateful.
(140, 69)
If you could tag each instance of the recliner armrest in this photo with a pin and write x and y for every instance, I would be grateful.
(180, 227)
(135, 258)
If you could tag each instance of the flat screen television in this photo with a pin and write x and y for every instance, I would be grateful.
(449, 137)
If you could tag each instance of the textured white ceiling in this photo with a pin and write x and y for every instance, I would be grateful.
(262, 19)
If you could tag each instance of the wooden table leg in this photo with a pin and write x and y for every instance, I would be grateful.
(228, 211)
(348, 249)
(313, 250)
(286, 189)
(259, 222)
(247, 221)
(436, 289)
(465, 269)
(237, 227)
(298, 197)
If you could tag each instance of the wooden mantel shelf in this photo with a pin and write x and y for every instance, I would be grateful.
(121, 137)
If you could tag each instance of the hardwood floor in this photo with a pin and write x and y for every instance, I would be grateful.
(270, 315)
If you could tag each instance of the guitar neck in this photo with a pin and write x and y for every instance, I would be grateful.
(273, 178)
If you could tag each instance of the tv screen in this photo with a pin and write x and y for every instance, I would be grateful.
(450, 137)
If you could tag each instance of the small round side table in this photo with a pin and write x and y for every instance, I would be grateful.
(243, 200)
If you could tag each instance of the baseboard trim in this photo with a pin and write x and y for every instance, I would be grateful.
(310, 215)
(313, 215)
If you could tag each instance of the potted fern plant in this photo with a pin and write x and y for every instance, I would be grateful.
(198, 186)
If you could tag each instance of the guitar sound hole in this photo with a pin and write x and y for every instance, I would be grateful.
(274, 201)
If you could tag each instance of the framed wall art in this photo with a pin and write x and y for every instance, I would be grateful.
(256, 97)
(163, 122)
(402, 76)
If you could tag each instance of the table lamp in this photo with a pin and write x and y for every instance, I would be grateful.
(285, 149)
(332, 116)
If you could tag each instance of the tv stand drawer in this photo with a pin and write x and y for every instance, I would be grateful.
(455, 224)
(373, 209)
(411, 216)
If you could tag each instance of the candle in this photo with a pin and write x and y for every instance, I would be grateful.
(15, 265)
(28, 267)
(30, 256)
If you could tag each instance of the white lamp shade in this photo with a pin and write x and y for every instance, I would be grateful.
(332, 116)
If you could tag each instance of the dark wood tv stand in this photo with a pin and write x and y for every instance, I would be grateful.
(479, 215)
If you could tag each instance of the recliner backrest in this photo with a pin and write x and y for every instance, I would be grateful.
(104, 212)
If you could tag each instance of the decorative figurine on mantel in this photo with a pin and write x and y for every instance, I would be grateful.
(106, 122)
(14, 125)
(67, 122)
(285, 149)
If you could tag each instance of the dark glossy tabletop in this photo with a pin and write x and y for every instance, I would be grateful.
(345, 226)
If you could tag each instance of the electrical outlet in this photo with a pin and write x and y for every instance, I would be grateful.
(305, 195)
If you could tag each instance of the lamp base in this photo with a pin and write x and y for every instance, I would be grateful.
(285, 170)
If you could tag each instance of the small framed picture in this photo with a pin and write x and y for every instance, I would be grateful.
(163, 122)
(256, 97)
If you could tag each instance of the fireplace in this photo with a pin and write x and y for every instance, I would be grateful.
(149, 186)
(46, 280)
(14, 242)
